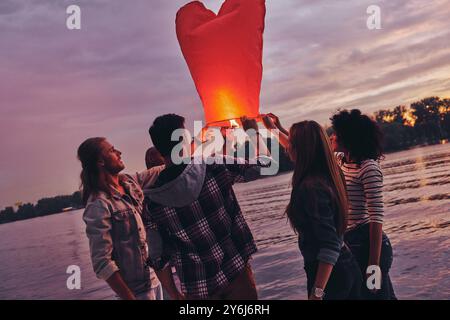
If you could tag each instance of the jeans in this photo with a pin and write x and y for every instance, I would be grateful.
(359, 243)
(345, 279)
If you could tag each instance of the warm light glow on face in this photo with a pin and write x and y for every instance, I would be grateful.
(409, 118)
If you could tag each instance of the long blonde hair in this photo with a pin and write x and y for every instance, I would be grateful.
(314, 162)
(92, 181)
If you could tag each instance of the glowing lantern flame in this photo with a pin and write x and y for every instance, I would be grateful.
(234, 124)
(224, 55)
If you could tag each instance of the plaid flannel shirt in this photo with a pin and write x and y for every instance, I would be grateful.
(208, 242)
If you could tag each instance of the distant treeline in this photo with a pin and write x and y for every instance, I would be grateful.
(44, 207)
(424, 122)
(48, 206)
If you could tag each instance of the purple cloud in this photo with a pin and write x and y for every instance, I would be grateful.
(124, 68)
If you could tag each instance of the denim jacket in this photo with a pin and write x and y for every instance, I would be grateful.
(316, 212)
(117, 237)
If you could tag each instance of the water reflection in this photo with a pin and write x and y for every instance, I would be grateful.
(417, 207)
(36, 253)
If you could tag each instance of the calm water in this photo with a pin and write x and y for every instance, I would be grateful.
(36, 253)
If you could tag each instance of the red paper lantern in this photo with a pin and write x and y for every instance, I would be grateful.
(224, 56)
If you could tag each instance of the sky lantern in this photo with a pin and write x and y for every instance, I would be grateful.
(224, 55)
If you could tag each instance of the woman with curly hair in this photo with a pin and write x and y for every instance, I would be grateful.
(359, 150)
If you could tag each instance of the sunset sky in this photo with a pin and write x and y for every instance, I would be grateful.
(125, 67)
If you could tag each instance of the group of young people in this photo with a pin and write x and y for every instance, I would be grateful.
(178, 226)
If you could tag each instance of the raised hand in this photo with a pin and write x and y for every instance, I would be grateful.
(249, 123)
(275, 119)
(277, 123)
(269, 122)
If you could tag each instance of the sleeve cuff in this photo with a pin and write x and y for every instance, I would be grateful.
(328, 256)
(106, 272)
(264, 161)
(158, 264)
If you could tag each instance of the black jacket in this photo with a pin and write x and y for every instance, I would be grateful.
(316, 213)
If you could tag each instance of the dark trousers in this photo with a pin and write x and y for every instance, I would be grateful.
(345, 279)
(359, 243)
(241, 288)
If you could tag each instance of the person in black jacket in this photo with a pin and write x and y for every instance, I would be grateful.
(317, 212)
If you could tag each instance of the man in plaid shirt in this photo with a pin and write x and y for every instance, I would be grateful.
(194, 210)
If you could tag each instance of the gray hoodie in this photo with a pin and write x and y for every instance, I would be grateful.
(181, 191)
(186, 188)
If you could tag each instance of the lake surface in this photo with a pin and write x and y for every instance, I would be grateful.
(35, 253)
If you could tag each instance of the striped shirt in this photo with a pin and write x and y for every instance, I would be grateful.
(364, 190)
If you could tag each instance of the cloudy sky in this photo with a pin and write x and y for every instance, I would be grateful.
(124, 67)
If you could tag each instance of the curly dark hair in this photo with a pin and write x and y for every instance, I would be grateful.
(358, 134)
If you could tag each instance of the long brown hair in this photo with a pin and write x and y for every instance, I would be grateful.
(92, 181)
(310, 150)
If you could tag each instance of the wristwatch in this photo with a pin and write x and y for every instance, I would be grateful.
(318, 292)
